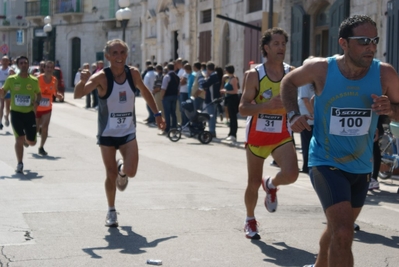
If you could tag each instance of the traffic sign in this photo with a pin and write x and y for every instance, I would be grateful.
(4, 49)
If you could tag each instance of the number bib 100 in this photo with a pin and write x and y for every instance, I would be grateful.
(120, 120)
(350, 121)
(22, 100)
(269, 123)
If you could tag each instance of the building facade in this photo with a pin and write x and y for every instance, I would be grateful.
(80, 29)
(13, 41)
(228, 31)
(224, 31)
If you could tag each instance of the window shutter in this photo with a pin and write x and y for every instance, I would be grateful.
(392, 34)
(338, 12)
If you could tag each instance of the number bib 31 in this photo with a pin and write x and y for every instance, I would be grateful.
(269, 123)
(350, 121)
(120, 120)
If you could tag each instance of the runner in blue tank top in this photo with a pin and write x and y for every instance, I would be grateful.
(351, 91)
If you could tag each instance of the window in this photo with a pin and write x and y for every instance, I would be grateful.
(206, 16)
(111, 9)
(254, 5)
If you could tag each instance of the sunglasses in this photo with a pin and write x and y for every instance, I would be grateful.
(365, 40)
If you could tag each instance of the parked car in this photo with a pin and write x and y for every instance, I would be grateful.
(34, 70)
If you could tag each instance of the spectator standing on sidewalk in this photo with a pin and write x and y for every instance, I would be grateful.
(5, 103)
(149, 81)
(229, 88)
(305, 94)
(212, 87)
(197, 90)
(157, 88)
(374, 184)
(94, 93)
(170, 96)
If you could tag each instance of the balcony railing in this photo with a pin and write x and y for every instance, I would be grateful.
(37, 8)
(68, 6)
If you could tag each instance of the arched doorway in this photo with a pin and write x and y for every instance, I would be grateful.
(76, 64)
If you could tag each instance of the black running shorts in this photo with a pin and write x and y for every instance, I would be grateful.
(24, 124)
(115, 141)
(333, 186)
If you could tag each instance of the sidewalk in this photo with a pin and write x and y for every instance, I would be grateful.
(222, 129)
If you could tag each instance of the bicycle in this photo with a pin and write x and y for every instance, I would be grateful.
(388, 144)
(389, 150)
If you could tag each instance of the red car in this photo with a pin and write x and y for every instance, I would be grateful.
(34, 70)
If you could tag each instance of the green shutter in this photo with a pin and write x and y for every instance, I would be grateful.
(112, 9)
(338, 12)
(392, 55)
(5, 9)
(45, 7)
(77, 8)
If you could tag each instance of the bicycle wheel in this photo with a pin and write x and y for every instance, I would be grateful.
(174, 135)
(384, 175)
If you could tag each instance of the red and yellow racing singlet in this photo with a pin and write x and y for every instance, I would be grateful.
(271, 128)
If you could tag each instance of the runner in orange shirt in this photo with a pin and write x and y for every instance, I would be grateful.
(49, 87)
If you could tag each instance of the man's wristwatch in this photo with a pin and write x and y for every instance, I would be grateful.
(158, 114)
(291, 115)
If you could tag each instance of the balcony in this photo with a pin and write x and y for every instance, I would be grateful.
(69, 9)
(36, 10)
(12, 23)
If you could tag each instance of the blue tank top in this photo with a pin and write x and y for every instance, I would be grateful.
(344, 122)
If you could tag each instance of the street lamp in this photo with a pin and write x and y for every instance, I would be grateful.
(47, 29)
(123, 15)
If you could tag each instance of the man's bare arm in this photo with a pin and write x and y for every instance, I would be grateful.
(388, 105)
(86, 84)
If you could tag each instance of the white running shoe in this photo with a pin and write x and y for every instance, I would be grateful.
(231, 138)
(6, 121)
(121, 180)
(271, 196)
(20, 168)
(251, 229)
(374, 184)
(112, 219)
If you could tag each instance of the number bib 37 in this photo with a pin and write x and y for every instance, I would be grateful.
(22, 100)
(269, 123)
(120, 120)
(350, 121)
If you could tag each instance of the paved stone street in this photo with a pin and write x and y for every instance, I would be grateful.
(184, 207)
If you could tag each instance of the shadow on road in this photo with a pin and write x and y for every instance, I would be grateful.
(37, 156)
(375, 197)
(132, 243)
(26, 176)
(278, 256)
(371, 238)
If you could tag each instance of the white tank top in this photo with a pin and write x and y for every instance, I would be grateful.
(116, 112)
